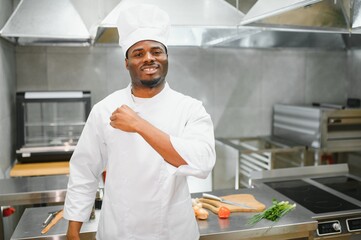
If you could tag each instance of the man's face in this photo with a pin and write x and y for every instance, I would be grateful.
(147, 63)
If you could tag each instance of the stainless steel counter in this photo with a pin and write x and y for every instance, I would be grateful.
(296, 224)
(30, 225)
(33, 190)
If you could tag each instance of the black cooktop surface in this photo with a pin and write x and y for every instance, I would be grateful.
(311, 197)
(344, 184)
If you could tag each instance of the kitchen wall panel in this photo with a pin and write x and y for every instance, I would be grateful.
(283, 74)
(77, 69)
(238, 122)
(237, 91)
(354, 74)
(7, 105)
(237, 86)
(32, 69)
(7, 79)
(7, 96)
(115, 74)
(191, 71)
(326, 77)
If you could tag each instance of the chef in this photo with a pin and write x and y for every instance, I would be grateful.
(148, 137)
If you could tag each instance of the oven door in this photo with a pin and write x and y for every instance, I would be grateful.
(341, 129)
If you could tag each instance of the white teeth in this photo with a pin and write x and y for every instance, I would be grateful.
(149, 69)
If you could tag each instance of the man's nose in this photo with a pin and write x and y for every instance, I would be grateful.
(149, 56)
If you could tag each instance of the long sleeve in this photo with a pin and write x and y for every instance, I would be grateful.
(86, 165)
(196, 144)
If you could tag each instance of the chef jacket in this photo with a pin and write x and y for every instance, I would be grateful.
(145, 197)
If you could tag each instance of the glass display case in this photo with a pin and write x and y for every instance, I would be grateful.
(49, 124)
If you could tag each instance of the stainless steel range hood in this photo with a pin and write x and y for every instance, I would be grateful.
(69, 22)
(267, 23)
(248, 23)
(355, 13)
(195, 23)
(326, 24)
(39, 22)
(302, 15)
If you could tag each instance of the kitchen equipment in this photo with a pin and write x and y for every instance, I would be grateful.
(210, 196)
(353, 103)
(234, 202)
(329, 129)
(328, 192)
(262, 153)
(49, 124)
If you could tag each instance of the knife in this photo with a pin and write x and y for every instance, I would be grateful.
(210, 196)
(50, 217)
(57, 217)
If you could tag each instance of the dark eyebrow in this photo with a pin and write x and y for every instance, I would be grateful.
(152, 48)
(137, 49)
(142, 49)
(157, 48)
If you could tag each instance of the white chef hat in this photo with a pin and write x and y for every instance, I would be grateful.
(142, 22)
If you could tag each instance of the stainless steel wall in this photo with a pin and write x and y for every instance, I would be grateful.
(7, 110)
(354, 74)
(237, 86)
(7, 94)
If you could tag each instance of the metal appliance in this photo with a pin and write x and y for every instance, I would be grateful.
(328, 192)
(249, 23)
(262, 153)
(49, 124)
(324, 128)
(319, 127)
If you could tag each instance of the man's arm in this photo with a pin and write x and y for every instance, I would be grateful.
(74, 230)
(124, 118)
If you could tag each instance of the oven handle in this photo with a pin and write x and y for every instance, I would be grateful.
(342, 121)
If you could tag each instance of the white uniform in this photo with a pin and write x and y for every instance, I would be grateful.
(145, 197)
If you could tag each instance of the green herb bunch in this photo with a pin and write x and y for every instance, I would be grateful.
(274, 212)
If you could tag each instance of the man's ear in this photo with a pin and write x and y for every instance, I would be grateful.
(126, 63)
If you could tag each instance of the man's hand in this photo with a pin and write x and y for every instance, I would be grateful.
(125, 119)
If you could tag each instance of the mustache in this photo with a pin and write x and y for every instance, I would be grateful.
(149, 65)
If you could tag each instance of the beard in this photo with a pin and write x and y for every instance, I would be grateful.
(151, 83)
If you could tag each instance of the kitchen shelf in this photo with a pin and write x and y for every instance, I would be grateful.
(263, 153)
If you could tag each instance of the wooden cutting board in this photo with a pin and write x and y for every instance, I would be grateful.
(247, 199)
(39, 169)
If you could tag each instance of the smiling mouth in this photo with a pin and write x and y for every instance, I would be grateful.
(149, 69)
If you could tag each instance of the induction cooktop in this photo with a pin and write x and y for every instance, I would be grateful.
(311, 197)
(344, 184)
(329, 192)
